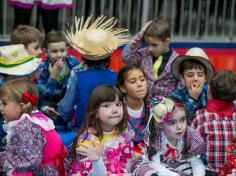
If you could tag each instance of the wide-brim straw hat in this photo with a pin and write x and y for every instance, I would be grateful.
(96, 40)
(15, 60)
(197, 54)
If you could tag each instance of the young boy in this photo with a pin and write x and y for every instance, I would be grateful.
(30, 37)
(217, 121)
(155, 59)
(194, 70)
(56, 70)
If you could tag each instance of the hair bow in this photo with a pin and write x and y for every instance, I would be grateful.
(30, 98)
(155, 102)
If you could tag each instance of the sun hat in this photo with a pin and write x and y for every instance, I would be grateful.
(96, 40)
(15, 60)
(197, 54)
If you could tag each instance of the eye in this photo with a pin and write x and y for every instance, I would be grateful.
(119, 104)
(172, 122)
(105, 105)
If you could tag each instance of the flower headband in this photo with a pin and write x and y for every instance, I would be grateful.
(29, 98)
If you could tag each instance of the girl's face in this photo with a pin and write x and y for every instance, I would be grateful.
(110, 114)
(193, 77)
(135, 85)
(10, 110)
(175, 128)
(57, 51)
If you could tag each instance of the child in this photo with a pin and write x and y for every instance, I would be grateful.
(217, 121)
(194, 70)
(55, 71)
(173, 148)
(133, 84)
(30, 37)
(155, 59)
(33, 145)
(103, 145)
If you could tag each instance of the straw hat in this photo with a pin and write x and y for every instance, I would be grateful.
(15, 60)
(96, 40)
(197, 54)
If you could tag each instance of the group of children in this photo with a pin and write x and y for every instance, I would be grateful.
(162, 114)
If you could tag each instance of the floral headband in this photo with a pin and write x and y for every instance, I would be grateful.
(29, 98)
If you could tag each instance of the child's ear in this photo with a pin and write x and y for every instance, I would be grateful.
(167, 41)
(182, 79)
(22, 106)
(122, 89)
(209, 93)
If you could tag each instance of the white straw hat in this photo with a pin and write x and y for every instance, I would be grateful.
(15, 60)
(197, 54)
(96, 40)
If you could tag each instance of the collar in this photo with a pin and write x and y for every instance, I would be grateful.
(220, 107)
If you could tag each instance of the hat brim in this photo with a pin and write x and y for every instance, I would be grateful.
(23, 69)
(175, 67)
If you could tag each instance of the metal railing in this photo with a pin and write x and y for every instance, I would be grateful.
(205, 20)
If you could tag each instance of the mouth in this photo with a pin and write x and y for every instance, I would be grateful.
(179, 133)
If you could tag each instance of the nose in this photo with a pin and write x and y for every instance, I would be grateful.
(150, 49)
(139, 83)
(114, 108)
(39, 51)
(179, 126)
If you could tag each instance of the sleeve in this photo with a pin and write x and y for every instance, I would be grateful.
(67, 104)
(141, 168)
(198, 167)
(199, 125)
(22, 152)
(131, 53)
(99, 168)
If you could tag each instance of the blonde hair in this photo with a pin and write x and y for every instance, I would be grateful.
(13, 91)
(25, 34)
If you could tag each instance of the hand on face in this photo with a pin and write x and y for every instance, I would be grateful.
(195, 89)
(93, 152)
(55, 68)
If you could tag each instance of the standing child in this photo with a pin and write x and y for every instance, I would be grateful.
(30, 37)
(173, 148)
(155, 60)
(194, 69)
(217, 121)
(33, 145)
(103, 146)
(133, 84)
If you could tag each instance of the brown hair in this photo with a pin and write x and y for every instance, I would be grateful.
(25, 34)
(191, 64)
(13, 90)
(54, 37)
(159, 29)
(223, 85)
(154, 132)
(99, 95)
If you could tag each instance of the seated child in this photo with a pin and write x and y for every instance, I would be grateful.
(155, 59)
(194, 70)
(173, 148)
(30, 37)
(217, 121)
(103, 145)
(55, 71)
(33, 145)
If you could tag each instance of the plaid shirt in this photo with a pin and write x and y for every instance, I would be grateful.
(166, 82)
(190, 104)
(217, 125)
(53, 90)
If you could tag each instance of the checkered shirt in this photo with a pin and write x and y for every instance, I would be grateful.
(217, 125)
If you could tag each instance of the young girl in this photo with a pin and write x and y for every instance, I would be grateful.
(173, 148)
(33, 146)
(103, 146)
(133, 84)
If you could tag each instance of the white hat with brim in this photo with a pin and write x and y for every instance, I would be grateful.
(193, 54)
(97, 40)
(15, 60)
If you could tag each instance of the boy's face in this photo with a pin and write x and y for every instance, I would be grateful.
(193, 78)
(34, 48)
(56, 51)
(157, 47)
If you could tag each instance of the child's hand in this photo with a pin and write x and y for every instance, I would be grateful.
(144, 28)
(52, 110)
(195, 89)
(93, 152)
(55, 68)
